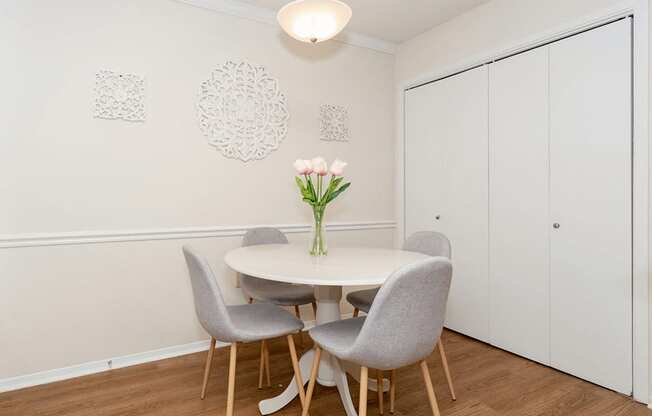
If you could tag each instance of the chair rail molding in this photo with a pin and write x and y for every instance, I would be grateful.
(262, 15)
(215, 231)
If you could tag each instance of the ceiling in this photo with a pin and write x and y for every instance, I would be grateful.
(393, 20)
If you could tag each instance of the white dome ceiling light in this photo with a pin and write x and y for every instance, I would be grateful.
(314, 21)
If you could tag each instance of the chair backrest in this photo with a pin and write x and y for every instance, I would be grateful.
(406, 317)
(209, 303)
(254, 237)
(264, 235)
(430, 243)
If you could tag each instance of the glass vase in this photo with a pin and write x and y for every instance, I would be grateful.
(318, 238)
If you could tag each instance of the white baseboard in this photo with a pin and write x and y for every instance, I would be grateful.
(49, 376)
(93, 367)
(161, 354)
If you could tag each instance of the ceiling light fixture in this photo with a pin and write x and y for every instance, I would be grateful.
(314, 20)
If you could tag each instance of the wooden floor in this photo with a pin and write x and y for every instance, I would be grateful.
(488, 382)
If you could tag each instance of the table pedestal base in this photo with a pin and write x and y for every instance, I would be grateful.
(332, 372)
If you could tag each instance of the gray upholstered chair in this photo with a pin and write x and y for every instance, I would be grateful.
(278, 293)
(237, 323)
(402, 327)
(426, 242)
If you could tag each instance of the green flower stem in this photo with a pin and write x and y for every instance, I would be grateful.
(318, 195)
(319, 183)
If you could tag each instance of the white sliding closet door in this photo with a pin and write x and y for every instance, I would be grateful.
(518, 214)
(590, 138)
(446, 185)
(424, 170)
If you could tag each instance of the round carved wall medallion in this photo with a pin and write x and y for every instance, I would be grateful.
(242, 111)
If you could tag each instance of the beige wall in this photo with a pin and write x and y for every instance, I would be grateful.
(64, 171)
(66, 305)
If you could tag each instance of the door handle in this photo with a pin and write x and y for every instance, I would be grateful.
(556, 225)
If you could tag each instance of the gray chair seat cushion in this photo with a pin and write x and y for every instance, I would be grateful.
(279, 293)
(362, 299)
(403, 324)
(339, 336)
(261, 321)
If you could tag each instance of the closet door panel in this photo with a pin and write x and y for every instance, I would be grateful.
(424, 168)
(447, 186)
(518, 214)
(590, 114)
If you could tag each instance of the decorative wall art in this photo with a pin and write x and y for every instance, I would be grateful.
(242, 112)
(119, 96)
(334, 124)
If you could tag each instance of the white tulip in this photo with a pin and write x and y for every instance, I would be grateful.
(308, 165)
(319, 166)
(337, 168)
(303, 167)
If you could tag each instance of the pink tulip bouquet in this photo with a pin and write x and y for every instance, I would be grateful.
(317, 193)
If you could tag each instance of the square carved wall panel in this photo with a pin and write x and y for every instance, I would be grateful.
(334, 123)
(119, 96)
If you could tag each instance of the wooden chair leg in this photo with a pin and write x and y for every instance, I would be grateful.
(207, 369)
(314, 309)
(313, 380)
(444, 363)
(261, 368)
(269, 382)
(297, 312)
(356, 311)
(230, 398)
(362, 407)
(431, 392)
(380, 390)
(392, 390)
(297, 370)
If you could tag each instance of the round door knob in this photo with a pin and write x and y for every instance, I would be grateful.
(556, 225)
(437, 217)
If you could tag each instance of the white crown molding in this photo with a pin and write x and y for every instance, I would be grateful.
(98, 237)
(365, 41)
(93, 367)
(563, 30)
(262, 15)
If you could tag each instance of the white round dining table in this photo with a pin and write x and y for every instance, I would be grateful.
(343, 266)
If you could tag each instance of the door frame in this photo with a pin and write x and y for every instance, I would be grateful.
(641, 213)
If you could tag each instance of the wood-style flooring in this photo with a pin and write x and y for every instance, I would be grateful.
(488, 382)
